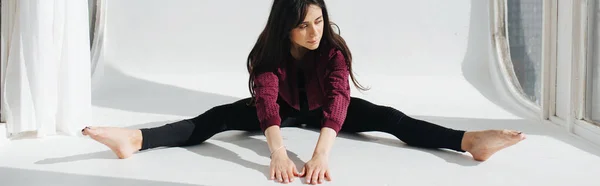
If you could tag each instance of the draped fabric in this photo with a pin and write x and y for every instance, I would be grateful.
(45, 57)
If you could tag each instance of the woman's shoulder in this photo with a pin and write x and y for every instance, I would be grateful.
(331, 57)
(332, 53)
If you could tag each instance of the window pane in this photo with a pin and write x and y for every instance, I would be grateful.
(525, 41)
(593, 68)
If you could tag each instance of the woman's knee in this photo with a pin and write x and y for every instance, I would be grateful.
(213, 115)
(391, 115)
(374, 112)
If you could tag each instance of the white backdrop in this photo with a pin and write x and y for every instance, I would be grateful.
(169, 59)
(431, 63)
(423, 57)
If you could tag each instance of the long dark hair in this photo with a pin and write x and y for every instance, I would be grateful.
(273, 45)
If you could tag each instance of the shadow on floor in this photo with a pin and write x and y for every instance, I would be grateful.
(24, 177)
(206, 149)
(120, 91)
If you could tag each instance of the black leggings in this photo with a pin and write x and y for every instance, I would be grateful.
(362, 116)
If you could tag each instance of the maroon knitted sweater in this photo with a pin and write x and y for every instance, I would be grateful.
(326, 86)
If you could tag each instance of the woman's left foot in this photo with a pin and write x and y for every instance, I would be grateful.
(123, 142)
(483, 144)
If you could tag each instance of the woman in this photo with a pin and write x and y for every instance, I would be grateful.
(299, 71)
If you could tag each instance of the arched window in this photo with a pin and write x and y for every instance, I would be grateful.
(524, 25)
(592, 86)
(517, 31)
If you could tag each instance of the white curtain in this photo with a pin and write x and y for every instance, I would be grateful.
(45, 59)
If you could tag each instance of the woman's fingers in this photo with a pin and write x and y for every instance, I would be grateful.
(272, 173)
(295, 170)
(303, 172)
(321, 176)
(315, 176)
(278, 175)
(309, 173)
(284, 174)
(327, 176)
(291, 175)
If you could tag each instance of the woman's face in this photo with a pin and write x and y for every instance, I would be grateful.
(308, 34)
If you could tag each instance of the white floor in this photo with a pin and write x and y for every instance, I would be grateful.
(168, 60)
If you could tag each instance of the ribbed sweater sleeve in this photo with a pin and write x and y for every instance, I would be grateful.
(337, 92)
(266, 91)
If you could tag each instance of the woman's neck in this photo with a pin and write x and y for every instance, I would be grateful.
(298, 52)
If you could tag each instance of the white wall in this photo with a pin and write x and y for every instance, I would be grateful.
(386, 34)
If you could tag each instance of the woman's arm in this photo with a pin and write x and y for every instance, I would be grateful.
(266, 92)
(325, 142)
(267, 110)
(334, 113)
(337, 90)
(338, 99)
(316, 169)
(282, 168)
(275, 141)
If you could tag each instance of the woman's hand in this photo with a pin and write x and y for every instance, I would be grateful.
(316, 170)
(282, 168)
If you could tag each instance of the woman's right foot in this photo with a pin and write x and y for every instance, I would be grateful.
(483, 144)
(123, 142)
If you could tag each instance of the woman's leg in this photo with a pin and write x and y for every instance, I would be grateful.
(363, 116)
(233, 116)
(125, 142)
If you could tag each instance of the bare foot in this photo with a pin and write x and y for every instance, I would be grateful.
(483, 144)
(123, 142)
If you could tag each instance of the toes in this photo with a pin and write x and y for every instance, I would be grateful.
(90, 131)
(513, 132)
(85, 131)
(519, 134)
(523, 136)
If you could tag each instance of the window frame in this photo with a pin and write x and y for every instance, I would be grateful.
(576, 122)
(575, 42)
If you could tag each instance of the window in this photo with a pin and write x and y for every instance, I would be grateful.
(592, 97)
(524, 33)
